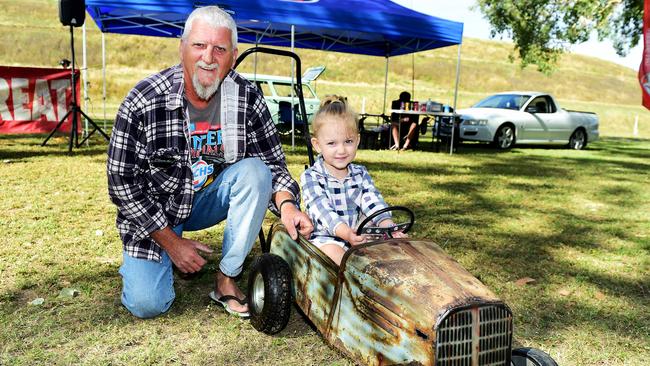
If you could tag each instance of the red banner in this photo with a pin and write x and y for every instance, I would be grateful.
(34, 100)
(644, 69)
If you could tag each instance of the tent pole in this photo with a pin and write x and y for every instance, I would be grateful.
(385, 85)
(413, 76)
(84, 72)
(383, 110)
(293, 132)
(453, 120)
(104, 75)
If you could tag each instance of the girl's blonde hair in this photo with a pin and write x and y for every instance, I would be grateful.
(335, 106)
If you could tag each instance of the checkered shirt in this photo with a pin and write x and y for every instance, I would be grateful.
(330, 202)
(149, 166)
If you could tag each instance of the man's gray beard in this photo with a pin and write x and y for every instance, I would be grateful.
(204, 92)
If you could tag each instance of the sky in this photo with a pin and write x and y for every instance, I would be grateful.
(476, 27)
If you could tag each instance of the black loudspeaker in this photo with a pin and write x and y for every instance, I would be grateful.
(72, 12)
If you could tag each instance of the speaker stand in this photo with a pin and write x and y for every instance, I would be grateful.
(75, 110)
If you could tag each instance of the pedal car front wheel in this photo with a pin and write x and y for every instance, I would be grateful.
(531, 357)
(269, 293)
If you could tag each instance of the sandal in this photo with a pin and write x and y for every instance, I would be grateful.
(394, 147)
(223, 300)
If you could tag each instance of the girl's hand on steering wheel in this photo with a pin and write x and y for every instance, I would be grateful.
(399, 234)
(390, 223)
(355, 239)
(346, 233)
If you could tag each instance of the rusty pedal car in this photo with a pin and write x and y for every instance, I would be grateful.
(390, 302)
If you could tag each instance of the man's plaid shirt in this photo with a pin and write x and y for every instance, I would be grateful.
(330, 202)
(149, 166)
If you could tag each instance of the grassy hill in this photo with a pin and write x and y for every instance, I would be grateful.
(33, 36)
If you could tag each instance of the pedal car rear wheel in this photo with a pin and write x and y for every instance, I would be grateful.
(531, 357)
(269, 293)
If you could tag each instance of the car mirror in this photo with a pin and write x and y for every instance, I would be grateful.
(531, 109)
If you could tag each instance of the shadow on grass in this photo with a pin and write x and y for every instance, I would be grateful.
(505, 257)
(623, 147)
(18, 147)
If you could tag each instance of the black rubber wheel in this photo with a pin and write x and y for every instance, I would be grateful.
(578, 140)
(531, 357)
(269, 293)
(505, 137)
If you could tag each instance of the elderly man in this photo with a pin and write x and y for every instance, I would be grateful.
(193, 145)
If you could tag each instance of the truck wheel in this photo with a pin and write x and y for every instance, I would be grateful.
(505, 138)
(269, 293)
(578, 140)
(531, 357)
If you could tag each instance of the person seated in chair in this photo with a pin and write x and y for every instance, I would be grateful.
(403, 122)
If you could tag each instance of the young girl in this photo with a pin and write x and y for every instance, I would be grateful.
(335, 191)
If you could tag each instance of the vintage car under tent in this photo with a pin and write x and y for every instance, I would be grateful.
(367, 27)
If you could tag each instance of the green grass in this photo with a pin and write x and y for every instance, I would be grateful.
(575, 221)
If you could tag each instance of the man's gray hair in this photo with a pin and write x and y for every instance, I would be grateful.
(215, 17)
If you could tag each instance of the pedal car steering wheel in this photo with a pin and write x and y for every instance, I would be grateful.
(386, 232)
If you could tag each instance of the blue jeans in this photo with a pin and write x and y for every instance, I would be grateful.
(240, 194)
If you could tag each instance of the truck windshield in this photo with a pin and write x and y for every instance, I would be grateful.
(284, 90)
(504, 101)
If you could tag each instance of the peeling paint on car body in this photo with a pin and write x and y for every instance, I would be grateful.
(384, 304)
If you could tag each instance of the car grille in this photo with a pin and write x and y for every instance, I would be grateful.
(479, 335)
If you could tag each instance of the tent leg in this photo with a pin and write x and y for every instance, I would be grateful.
(453, 120)
(293, 122)
(383, 110)
(413, 76)
(84, 73)
(385, 85)
(104, 76)
(457, 78)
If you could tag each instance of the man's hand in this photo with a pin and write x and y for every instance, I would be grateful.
(295, 221)
(183, 252)
(186, 257)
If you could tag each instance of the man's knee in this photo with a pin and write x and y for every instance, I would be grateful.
(147, 286)
(144, 305)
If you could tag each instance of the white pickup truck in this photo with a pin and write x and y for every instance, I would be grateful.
(510, 118)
